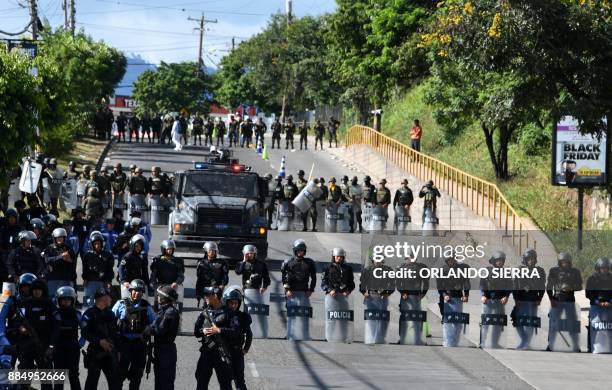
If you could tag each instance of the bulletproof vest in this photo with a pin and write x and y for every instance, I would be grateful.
(379, 285)
(102, 184)
(259, 128)
(324, 192)
(167, 269)
(27, 261)
(61, 269)
(320, 129)
(157, 185)
(170, 317)
(290, 191)
(252, 276)
(118, 182)
(212, 271)
(276, 127)
(355, 191)
(345, 190)
(301, 183)
(381, 194)
(298, 271)
(368, 192)
(135, 319)
(104, 324)
(415, 284)
(138, 185)
(38, 315)
(68, 323)
(334, 194)
(278, 192)
(429, 198)
(303, 130)
(96, 265)
(133, 267)
(337, 277)
(563, 281)
(405, 196)
(290, 129)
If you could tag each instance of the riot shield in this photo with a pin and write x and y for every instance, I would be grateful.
(493, 320)
(307, 197)
(81, 187)
(69, 193)
(299, 313)
(527, 320)
(285, 216)
(159, 209)
(454, 324)
(30, 176)
(118, 202)
(411, 321)
(378, 220)
(366, 214)
(138, 202)
(564, 327)
(331, 219)
(430, 222)
(600, 329)
(258, 306)
(343, 224)
(402, 220)
(106, 204)
(376, 318)
(339, 319)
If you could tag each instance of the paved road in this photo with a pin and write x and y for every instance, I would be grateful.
(277, 363)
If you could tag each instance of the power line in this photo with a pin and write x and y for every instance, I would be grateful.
(176, 8)
(203, 21)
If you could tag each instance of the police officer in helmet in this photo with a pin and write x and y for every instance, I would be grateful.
(232, 298)
(10, 316)
(211, 271)
(338, 276)
(65, 324)
(61, 262)
(299, 273)
(254, 271)
(429, 192)
(599, 293)
(133, 265)
(167, 269)
(98, 267)
(25, 258)
(134, 314)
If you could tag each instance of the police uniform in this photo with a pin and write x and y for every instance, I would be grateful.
(403, 197)
(299, 274)
(137, 185)
(66, 322)
(97, 271)
(211, 273)
(233, 132)
(333, 131)
(278, 195)
(118, 182)
(319, 130)
(254, 274)
(276, 133)
(416, 285)
(59, 271)
(98, 325)
(166, 270)
(369, 193)
(21, 261)
(373, 285)
(429, 196)
(239, 347)
(300, 185)
(338, 277)
(55, 177)
(198, 125)
(209, 127)
(355, 193)
(220, 131)
(164, 329)
(454, 287)
(158, 185)
(260, 129)
(289, 132)
(134, 266)
(303, 130)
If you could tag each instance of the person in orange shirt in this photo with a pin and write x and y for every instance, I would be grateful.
(415, 136)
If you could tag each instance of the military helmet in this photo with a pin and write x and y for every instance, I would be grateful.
(138, 285)
(430, 183)
(26, 235)
(405, 181)
(602, 262)
(59, 232)
(290, 178)
(167, 294)
(46, 160)
(135, 239)
(167, 244)
(11, 213)
(332, 180)
(354, 180)
(49, 219)
(301, 172)
(299, 245)
(564, 256)
(118, 166)
(93, 191)
(132, 167)
(529, 254)
(27, 279)
(211, 246)
(338, 252)
(367, 179)
(71, 164)
(497, 255)
(249, 248)
(37, 223)
(65, 292)
(344, 178)
(155, 169)
(138, 170)
(96, 236)
(382, 181)
(232, 293)
(53, 162)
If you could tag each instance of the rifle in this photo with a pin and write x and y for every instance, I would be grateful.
(149, 357)
(215, 341)
(33, 337)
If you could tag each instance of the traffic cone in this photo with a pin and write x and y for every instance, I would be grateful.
(264, 155)
(258, 150)
(281, 173)
(426, 329)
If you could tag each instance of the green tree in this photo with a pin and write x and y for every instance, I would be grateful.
(173, 87)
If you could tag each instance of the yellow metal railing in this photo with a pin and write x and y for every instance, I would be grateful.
(482, 197)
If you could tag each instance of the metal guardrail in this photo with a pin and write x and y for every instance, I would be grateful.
(482, 197)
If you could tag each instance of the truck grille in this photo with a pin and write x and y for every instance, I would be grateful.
(211, 216)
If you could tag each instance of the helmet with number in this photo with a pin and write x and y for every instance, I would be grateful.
(529, 254)
(167, 294)
(497, 256)
(210, 290)
(37, 223)
(299, 245)
(137, 285)
(96, 236)
(232, 293)
(136, 239)
(211, 246)
(167, 244)
(26, 235)
(564, 256)
(602, 262)
(338, 252)
(27, 279)
(49, 219)
(59, 232)
(249, 248)
(66, 292)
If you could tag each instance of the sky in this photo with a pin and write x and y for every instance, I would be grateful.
(158, 30)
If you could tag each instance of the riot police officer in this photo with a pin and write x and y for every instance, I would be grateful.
(369, 191)
(38, 228)
(167, 269)
(26, 258)
(299, 273)
(254, 271)
(220, 126)
(93, 207)
(158, 184)
(64, 343)
(319, 130)
(371, 286)
(334, 193)
(211, 271)
(134, 265)
(413, 286)
(134, 314)
(232, 298)
(303, 130)
(72, 173)
(429, 193)
(276, 132)
(599, 293)
(289, 132)
(451, 286)
(290, 189)
(11, 314)
(403, 197)
(137, 185)
(260, 128)
(209, 128)
(233, 131)
(100, 329)
(216, 328)
(338, 276)
(55, 177)
(278, 195)
(98, 265)
(383, 195)
(492, 287)
(118, 182)
(60, 261)
(344, 188)
(164, 329)
(9, 232)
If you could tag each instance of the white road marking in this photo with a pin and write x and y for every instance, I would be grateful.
(253, 369)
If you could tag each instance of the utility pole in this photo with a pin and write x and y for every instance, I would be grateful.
(66, 13)
(34, 17)
(233, 43)
(72, 16)
(289, 11)
(202, 22)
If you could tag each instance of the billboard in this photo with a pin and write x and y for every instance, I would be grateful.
(578, 159)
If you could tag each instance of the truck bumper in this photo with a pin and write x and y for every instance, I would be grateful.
(230, 247)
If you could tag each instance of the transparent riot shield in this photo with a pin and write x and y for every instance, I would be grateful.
(299, 313)
(331, 219)
(376, 318)
(106, 204)
(411, 321)
(526, 320)
(258, 306)
(402, 220)
(600, 329)
(14, 194)
(285, 216)
(304, 200)
(493, 321)
(339, 319)
(68, 194)
(138, 202)
(160, 209)
(366, 214)
(564, 327)
(378, 220)
(119, 203)
(81, 187)
(430, 222)
(343, 224)
(454, 324)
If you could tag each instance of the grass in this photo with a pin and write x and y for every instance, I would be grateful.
(85, 151)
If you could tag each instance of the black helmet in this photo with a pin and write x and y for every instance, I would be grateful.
(496, 256)
(167, 294)
(71, 164)
(137, 285)
(26, 235)
(11, 213)
(529, 254)
(102, 292)
(344, 179)
(232, 293)
(354, 180)
(602, 262)
(167, 244)
(37, 223)
(564, 256)
(289, 178)
(299, 245)
(26, 279)
(49, 219)
(301, 172)
(96, 236)
(40, 284)
(430, 183)
(367, 179)
(135, 239)
(210, 290)
(53, 162)
(65, 292)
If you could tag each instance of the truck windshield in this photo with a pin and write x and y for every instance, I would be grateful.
(221, 184)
